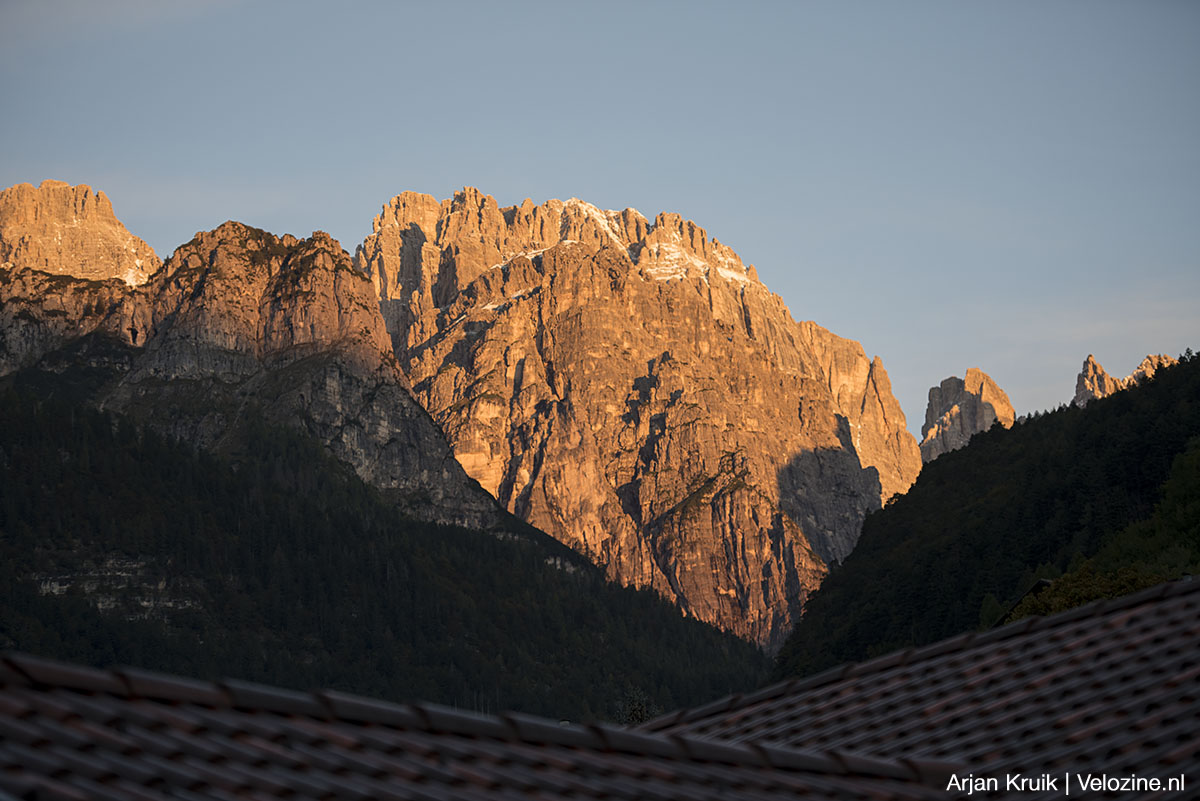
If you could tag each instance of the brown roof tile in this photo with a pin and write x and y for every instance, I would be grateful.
(1113, 687)
(45, 672)
(69, 732)
(160, 686)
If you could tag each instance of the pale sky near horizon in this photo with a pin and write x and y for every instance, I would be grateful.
(1009, 186)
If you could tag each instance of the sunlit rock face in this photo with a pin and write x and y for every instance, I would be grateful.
(1094, 382)
(237, 325)
(290, 329)
(630, 387)
(68, 230)
(958, 409)
(67, 265)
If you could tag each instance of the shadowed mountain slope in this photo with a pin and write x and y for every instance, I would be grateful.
(277, 563)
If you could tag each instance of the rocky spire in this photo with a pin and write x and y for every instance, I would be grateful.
(1093, 382)
(960, 408)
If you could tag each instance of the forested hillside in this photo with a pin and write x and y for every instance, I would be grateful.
(982, 524)
(279, 565)
(1141, 555)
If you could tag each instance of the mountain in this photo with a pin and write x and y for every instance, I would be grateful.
(237, 326)
(69, 230)
(627, 385)
(1094, 382)
(1113, 481)
(242, 322)
(68, 268)
(630, 387)
(960, 408)
(323, 532)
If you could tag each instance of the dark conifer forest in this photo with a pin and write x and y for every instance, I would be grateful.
(277, 564)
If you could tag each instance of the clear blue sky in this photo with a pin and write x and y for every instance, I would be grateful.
(1008, 185)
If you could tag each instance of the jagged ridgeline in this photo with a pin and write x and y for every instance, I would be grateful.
(277, 563)
(626, 385)
(630, 387)
(1107, 494)
(241, 331)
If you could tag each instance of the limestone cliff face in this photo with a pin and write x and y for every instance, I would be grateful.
(631, 388)
(69, 230)
(40, 312)
(67, 267)
(241, 325)
(238, 297)
(242, 321)
(960, 408)
(1093, 382)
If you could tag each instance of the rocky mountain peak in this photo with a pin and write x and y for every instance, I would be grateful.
(247, 294)
(1094, 382)
(408, 208)
(629, 387)
(239, 325)
(421, 254)
(959, 408)
(69, 230)
(1148, 366)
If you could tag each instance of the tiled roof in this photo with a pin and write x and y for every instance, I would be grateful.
(69, 732)
(1110, 688)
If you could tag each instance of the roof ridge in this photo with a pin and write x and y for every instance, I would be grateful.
(912, 655)
(335, 706)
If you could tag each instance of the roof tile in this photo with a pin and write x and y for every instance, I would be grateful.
(10, 676)
(82, 763)
(795, 759)
(58, 674)
(18, 755)
(26, 786)
(248, 695)
(856, 763)
(634, 742)
(452, 721)
(366, 710)
(933, 772)
(174, 771)
(1109, 682)
(64, 734)
(719, 752)
(163, 687)
(21, 731)
(539, 730)
(95, 791)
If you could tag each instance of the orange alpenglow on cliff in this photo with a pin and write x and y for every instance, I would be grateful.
(69, 230)
(960, 408)
(630, 387)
